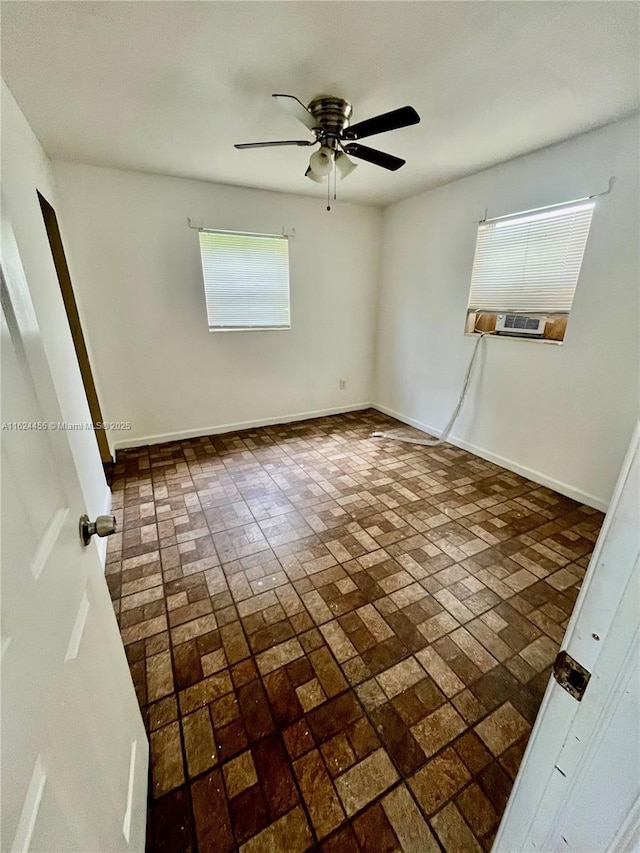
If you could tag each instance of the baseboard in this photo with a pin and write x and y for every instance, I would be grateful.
(145, 440)
(536, 476)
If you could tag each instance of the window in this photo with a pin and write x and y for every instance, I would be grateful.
(246, 280)
(529, 264)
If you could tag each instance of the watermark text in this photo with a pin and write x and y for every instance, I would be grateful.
(63, 426)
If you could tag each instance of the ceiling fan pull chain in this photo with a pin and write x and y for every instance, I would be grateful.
(329, 192)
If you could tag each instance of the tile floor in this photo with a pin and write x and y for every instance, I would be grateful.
(338, 643)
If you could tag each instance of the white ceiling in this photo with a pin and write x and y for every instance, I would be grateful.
(168, 87)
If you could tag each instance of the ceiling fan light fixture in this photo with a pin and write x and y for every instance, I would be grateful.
(321, 161)
(319, 179)
(344, 165)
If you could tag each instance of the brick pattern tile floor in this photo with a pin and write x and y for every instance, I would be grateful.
(338, 643)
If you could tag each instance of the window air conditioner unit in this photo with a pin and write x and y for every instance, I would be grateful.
(520, 324)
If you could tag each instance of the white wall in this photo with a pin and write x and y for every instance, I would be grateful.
(25, 170)
(561, 414)
(135, 266)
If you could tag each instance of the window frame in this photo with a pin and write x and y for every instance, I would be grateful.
(209, 286)
(534, 277)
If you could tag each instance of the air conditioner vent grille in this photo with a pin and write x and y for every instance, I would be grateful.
(517, 321)
(520, 324)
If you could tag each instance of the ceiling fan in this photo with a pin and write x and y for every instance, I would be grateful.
(327, 116)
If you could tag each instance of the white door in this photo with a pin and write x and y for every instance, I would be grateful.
(578, 788)
(74, 749)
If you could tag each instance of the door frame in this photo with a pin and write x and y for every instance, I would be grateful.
(73, 316)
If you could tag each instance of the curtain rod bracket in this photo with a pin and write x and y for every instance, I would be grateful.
(198, 225)
(612, 181)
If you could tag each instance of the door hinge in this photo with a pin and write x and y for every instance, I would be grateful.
(571, 675)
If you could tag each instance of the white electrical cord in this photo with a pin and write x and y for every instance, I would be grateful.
(445, 432)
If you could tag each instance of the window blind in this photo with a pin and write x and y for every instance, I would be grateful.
(246, 280)
(530, 262)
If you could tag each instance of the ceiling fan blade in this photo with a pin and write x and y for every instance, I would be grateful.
(402, 117)
(297, 109)
(273, 144)
(372, 155)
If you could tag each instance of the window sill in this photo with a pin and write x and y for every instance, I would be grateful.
(530, 340)
(254, 329)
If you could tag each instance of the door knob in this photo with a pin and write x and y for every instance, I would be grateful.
(104, 525)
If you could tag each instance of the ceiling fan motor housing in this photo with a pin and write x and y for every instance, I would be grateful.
(332, 115)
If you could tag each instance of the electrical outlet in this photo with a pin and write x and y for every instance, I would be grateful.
(343, 384)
